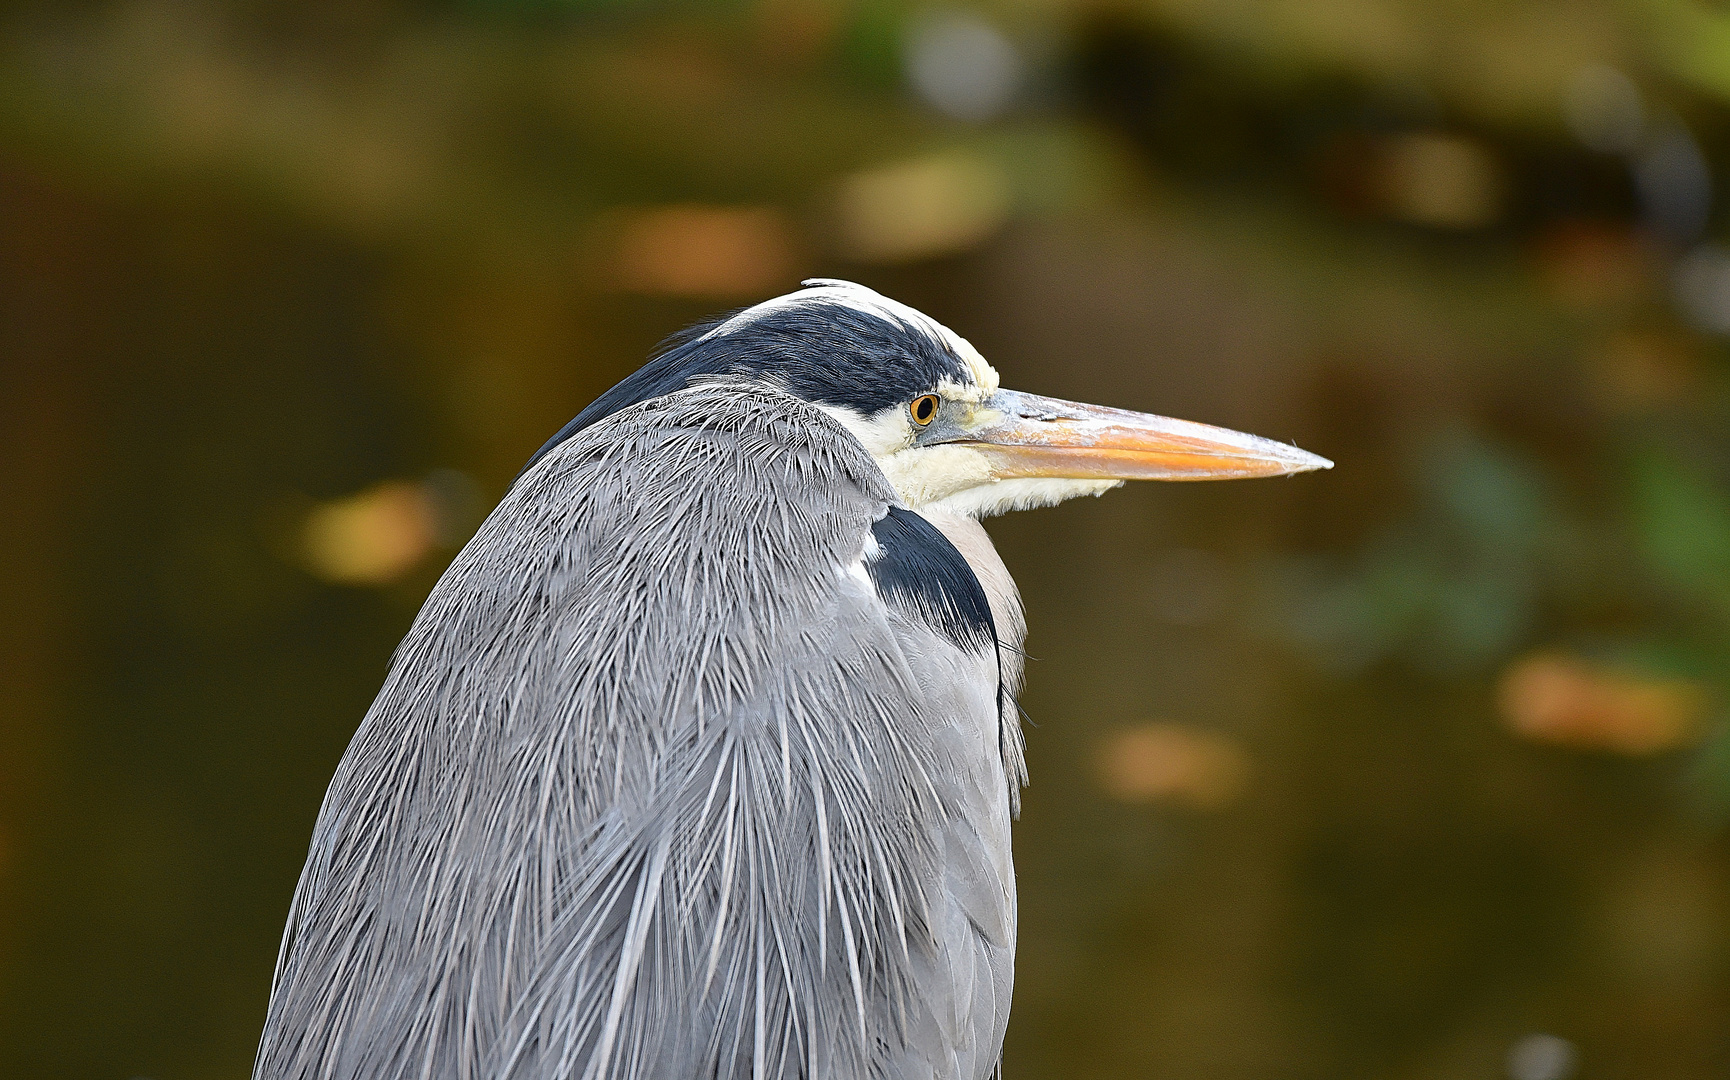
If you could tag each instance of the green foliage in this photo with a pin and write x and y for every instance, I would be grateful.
(1454, 587)
(1683, 520)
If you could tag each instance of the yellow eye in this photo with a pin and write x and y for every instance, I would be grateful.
(924, 409)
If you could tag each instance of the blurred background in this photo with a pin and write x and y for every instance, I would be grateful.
(1415, 769)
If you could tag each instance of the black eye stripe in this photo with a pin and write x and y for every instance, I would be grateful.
(822, 350)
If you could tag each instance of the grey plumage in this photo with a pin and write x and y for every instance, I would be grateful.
(658, 786)
(699, 761)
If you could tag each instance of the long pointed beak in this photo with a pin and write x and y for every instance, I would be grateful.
(1049, 437)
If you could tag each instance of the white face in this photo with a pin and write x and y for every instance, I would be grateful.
(953, 475)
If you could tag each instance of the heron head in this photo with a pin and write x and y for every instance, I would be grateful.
(929, 408)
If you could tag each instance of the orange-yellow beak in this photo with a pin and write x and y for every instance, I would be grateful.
(1048, 437)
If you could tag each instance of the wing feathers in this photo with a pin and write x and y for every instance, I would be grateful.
(656, 788)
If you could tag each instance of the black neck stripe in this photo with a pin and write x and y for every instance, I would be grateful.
(922, 577)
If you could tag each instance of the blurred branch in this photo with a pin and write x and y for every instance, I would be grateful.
(440, 128)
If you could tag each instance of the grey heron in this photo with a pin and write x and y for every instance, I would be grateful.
(700, 759)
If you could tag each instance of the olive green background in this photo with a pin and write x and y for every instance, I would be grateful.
(255, 258)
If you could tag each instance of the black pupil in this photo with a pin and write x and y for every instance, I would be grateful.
(923, 408)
